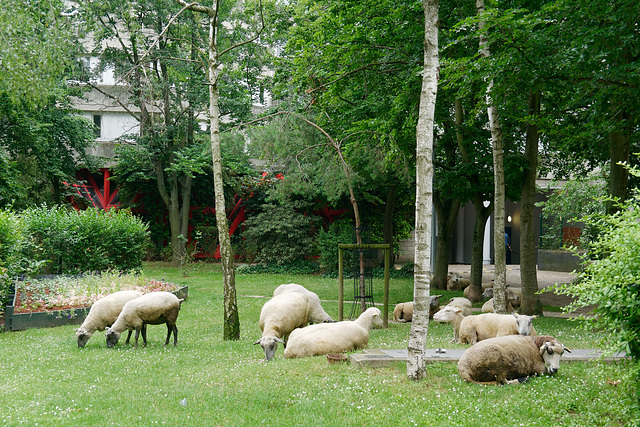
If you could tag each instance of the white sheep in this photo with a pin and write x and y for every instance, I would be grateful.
(513, 301)
(510, 359)
(103, 313)
(336, 337)
(316, 312)
(279, 317)
(153, 308)
(452, 315)
(463, 303)
(489, 325)
(457, 282)
(403, 312)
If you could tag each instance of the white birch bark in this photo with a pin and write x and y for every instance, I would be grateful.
(424, 195)
(499, 247)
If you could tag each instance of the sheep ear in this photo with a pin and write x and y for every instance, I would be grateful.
(543, 348)
(279, 340)
(257, 342)
(567, 349)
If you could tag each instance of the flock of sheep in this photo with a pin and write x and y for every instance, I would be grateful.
(504, 348)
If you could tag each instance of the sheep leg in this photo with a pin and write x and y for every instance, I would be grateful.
(129, 336)
(137, 335)
(144, 334)
(170, 328)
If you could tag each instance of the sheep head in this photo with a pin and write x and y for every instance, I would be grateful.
(83, 336)
(551, 351)
(112, 337)
(269, 345)
(524, 324)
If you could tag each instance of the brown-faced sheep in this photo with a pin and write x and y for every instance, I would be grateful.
(403, 312)
(154, 308)
(336, 337)
(510, 359)
(489, 325)
(103, 313)
(513, 301)
(279, 316)
(457, 282)
(316, 312)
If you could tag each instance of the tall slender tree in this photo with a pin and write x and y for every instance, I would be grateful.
(424, 192)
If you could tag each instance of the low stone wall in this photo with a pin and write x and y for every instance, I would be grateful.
(558, 260)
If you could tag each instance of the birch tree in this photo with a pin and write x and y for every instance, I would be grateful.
(424, 194)
(499, 300)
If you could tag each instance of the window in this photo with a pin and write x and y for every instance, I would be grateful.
(97, 122)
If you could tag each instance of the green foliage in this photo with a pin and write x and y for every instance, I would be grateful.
(300, 266)
(279, 234)
(610, 281)
(576, 199)
(71, 242)
(340, 231)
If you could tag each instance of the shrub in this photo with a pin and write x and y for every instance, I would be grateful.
(610, 281)
(279, 234)
(340, 231)
(294, 267)
(72, 242)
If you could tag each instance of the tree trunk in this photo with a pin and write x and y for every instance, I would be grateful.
(499, 284)
(416, 348)
(530, 303)
(389, 206)
(446, 220)
(618, 152)
(477, 246)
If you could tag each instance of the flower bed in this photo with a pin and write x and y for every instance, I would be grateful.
(66, 300)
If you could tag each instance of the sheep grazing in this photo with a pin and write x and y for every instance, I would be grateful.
(279, 317)
(510, 359)
(336, 337)
(103, 313)
(403, 312)
(462, 303)
(153, 308)
(490, 325)
(316, 312)
(452, 315)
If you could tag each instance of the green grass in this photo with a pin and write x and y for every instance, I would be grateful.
(45, 379)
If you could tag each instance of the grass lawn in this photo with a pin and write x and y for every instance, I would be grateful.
(45, 379)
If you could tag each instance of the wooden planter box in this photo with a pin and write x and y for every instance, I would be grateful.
(49, 319)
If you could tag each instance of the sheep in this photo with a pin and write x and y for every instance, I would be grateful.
(513, 301)
(279, 317)
(153, 308)
(489, 325)
(488, 293)
(456, 283)
(403, 312)
(336, 337)
(462, 303)
(103, 313)
(452, 315)
(316, 312)
(510, 359)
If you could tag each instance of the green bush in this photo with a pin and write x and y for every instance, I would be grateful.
(610, 281)
(340, 231)
(10, 233)
(70, 242)
(279, 234)
(302, 266)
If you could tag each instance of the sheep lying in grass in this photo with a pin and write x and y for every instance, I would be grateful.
(488, 293)
(452, 315)
(279, 317)
(153, 308)
(513, 301)
(103, 313)
(336, 337)
(489, 325)
(403, 312)
(510, 359)
(316, 312)
(456, 282)
(462, 303)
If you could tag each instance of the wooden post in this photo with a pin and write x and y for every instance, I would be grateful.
(340, 283)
